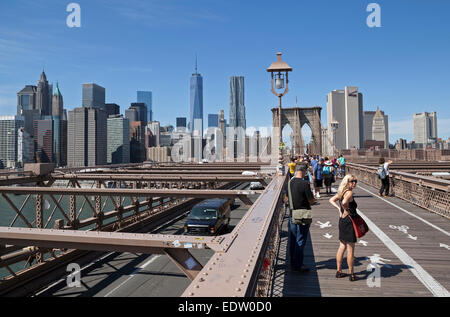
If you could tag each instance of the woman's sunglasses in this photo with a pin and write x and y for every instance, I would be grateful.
(354, 181)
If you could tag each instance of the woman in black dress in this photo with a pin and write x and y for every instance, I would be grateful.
(346, 205)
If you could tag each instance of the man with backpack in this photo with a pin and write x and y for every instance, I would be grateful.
(383, 175)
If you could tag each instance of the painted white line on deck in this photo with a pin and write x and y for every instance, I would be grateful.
(423, 276)
(408, 212)
(64, 279)
(140, 268)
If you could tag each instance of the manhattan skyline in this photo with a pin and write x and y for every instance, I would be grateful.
(400, 67)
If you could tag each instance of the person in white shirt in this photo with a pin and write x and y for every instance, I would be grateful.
(384, 181)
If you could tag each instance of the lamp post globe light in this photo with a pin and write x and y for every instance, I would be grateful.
(279, 70)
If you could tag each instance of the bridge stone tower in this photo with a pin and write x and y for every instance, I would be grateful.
(296, 118)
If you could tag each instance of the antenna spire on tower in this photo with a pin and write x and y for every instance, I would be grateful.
(196, 64)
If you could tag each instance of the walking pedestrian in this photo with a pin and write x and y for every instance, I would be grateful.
(341, 162)
(347, 237)
(328, 172)
(318, 177)
(300, 200)
(383, 175)
(292, 167)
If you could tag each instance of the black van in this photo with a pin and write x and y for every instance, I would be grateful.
(209, 217)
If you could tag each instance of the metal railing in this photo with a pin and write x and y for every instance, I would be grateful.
(245, 266)
(430, 193)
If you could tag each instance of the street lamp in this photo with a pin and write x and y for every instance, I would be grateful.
(279, 70)
(334, 125)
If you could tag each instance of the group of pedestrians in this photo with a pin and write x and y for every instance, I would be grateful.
(320, 171)
(314, 169)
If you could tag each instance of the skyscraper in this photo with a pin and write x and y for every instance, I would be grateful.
(181, 123)
(43, 96)
(118, 149)
(196, 110)
(237, 104)
(213, 120)
(425, 127)
(26, 99)
(112, 109)
(9, 129)
(376, 127)
(138, 112)
(93, 96)
(43, 140)
(380, 130)
(87, 137)
(57, 103)
(25, 147)
(346, 107)
(145, 97)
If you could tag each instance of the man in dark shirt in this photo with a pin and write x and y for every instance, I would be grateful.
(302, 198)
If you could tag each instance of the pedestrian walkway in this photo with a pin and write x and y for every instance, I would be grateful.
(408, 248)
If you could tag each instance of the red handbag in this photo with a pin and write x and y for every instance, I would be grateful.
(359, 225)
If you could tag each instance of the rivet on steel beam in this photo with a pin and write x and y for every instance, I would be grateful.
(191, 294)
(244, 276)
(238, 289)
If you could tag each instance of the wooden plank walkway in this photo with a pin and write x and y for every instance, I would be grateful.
(426, 246)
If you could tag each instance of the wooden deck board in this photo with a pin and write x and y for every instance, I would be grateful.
(396, 280)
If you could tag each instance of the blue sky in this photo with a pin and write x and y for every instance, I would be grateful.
(126, 46)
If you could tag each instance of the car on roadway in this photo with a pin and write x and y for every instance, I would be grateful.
(209, 217)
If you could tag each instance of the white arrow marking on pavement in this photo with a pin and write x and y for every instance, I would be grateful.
(363, 242)
(412, 237)
(328, 236)
(444, 246)
(323, 225)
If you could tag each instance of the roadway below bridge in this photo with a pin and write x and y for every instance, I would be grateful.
(140, 275)
(407, 245)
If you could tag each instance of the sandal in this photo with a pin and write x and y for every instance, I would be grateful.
(340, 274)
(353, 278)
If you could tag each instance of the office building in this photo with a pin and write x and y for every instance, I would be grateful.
(26, 99)
(181, 123)
(159, 154)
(137, 112)
(376, 127)
(112, 109)
(145, 97)
(43, 141)
(137, 142)
(43, 96)
(425, 127)
(213, 120)
(93, 96)
(118, 148)
(154, 128)
(25, 147)
(237, 104)
(380, 130)
(87, 137)
(9, 130)
(346, 107)
(57, 103)
(196, 103)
